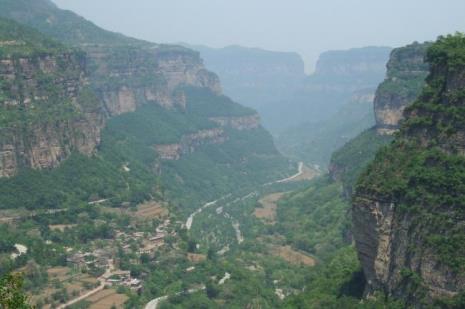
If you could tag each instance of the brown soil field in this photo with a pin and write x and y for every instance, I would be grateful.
(61, 227)
(101, 295)
(106, 299)
(88, 279)
(292, 256)
(196, 258)
(308, 173)
(60, 273)
(267, 211)
(73, 287)
(150, 210)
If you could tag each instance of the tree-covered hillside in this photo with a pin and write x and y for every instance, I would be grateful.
(421, 176)
(64, 26)
(214, 157)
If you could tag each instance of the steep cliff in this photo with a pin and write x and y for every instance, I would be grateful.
(408, 207)
(211, 147)
(406, 72)
(46, 109)
(125, 72)
(337, 76)
(405, 77)
(129, 76)
(169, 131)
(365, 65)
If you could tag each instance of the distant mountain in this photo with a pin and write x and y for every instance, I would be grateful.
(338, 75)
(334, 104)
(275, 83)
(255, 77)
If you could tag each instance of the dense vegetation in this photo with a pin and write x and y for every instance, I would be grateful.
(348, 162)
(11, 294)
(339, 283)
(314, 143)
(216, 170)
(422, 171)
(78, 180)
(316, 218)
(406, 71)
(18, 40)
(62, 25)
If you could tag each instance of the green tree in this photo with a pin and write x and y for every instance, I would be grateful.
(11, 293)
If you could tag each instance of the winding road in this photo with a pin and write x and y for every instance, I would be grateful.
(299, 173)
(101, 279)
(190, 219)
(153, 304)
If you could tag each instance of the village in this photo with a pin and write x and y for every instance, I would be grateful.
(99, 273)
(104, 258)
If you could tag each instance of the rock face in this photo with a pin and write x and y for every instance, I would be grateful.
(48, 111)
(190, 142)
(405, 78)
(127, 77)
(361, 64)
(408, 219)
(337, 76)
(239, 123)
(406, 72)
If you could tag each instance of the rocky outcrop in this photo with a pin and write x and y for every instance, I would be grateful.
(408, 218)
(248, 122)
(47, 111)
(406, 72)
(337, 76)
(127, 77)
(358, 63)
(190, 142)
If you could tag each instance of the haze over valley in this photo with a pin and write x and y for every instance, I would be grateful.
(322, 169)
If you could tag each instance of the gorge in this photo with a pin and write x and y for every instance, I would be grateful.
(136, 174)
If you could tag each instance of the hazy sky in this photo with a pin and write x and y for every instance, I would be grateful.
(308, 27)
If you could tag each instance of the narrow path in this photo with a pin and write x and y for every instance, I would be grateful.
(299, 173)
(83, 296)
(153, 304)
(237, 229)
(190, 220)
(101, 279)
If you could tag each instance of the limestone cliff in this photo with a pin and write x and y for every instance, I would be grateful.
(337, 76)
(46, 109)
(240, 123)
(190, 142)
(406, 72)
(405, 77)
(125, 72)
(361, 64)
(408, 213)
(129, 76)
(154, 97)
